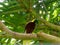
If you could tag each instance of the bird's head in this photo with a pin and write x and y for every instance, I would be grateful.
(35, 20)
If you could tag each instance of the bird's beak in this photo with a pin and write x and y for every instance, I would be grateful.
(33, 20)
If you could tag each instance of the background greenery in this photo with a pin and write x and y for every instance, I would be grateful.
(16, 13)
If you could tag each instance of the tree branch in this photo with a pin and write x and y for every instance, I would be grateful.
(50, 25)
(48, 37)
(10, 34)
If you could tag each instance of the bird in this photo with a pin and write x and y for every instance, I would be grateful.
(29, 28)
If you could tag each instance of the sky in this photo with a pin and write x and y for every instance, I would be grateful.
(1, 0)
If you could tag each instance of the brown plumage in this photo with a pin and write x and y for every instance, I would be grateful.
(30, 27)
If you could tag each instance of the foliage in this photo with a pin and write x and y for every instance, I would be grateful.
(15, 14)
